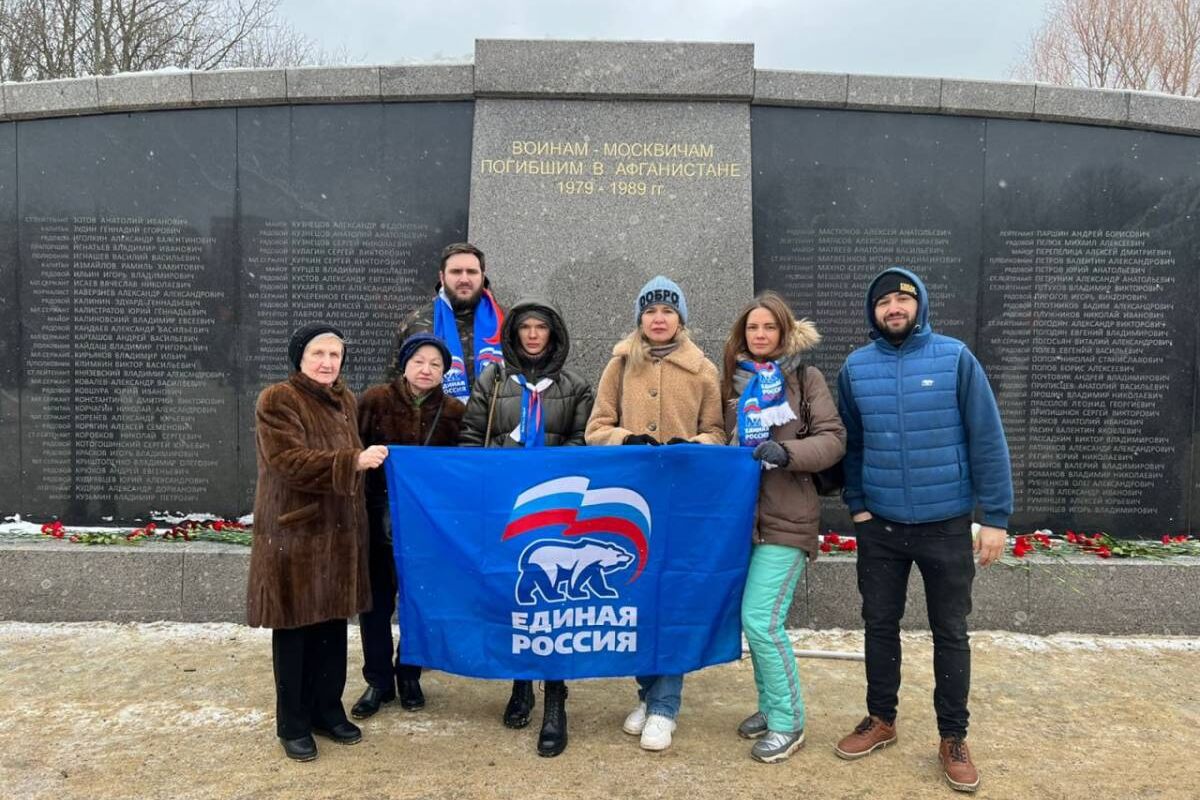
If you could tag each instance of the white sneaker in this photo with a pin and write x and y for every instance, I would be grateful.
(656, 735)
(635, 721)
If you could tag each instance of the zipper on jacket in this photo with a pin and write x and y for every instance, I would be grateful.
(903, 438)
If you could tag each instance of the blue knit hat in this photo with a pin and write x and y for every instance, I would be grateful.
(410, 346)
(660, 291)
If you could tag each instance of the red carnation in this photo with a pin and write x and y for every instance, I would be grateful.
(833, 538)
(1166, 538)
(826, 547)
(1183, 537)
(218, 525)
(849, 545)
(1103, 552)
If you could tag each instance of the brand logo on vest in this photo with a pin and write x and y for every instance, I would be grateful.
(927, 382)
(572, 570)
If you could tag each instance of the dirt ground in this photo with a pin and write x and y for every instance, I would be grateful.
(180, 711)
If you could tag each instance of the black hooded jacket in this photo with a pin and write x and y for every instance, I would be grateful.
(566, 404)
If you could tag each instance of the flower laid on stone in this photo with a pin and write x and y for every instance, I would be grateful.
(1103, 545)
(832, 542)
(219, 530)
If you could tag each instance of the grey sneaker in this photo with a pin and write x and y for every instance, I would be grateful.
(753, 726)
(776, 746)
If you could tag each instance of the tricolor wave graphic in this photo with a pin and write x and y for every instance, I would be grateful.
(569, 502)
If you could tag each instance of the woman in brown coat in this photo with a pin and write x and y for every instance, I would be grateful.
(308, 561)
(657, 389)
(764, 367)
(411, 410)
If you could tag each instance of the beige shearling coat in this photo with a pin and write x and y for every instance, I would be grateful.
(674, 397)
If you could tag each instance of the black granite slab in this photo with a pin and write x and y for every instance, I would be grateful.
(840, 196)
(344, 210)
(10, 324)
(1088, 322)
(128, 299)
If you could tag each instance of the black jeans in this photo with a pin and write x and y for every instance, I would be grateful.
(375, 626)
(944, 554)
(310, 676)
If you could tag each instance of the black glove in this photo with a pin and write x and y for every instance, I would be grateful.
(640, 438)
(771, 452)
(677, 440)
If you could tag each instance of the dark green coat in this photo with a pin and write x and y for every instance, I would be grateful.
(566, 405)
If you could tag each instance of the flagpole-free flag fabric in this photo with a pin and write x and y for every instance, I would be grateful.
(571, 562)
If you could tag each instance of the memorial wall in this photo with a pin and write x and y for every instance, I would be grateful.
(154, 262)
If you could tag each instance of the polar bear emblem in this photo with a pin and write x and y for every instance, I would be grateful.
(564, 570)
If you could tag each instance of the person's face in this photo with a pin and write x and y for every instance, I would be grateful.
(462, 278)
(322, 359)
(762, 333)
(660, 323)
(425, 369)
(896, 314)
(534, 335)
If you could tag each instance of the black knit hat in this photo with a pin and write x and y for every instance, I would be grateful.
(893, 282)
(305, 334)
(410, 346)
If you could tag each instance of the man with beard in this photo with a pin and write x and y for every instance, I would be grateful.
(464, 314)
(924, 448)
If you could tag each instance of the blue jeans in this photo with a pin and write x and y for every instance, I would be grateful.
(661, 694)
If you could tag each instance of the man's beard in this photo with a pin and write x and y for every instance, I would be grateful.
(468, 304)
(899, 336)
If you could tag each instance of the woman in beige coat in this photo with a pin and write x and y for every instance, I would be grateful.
(657, 389)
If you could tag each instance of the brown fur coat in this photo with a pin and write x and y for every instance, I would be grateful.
(308, 561)
(388, 414)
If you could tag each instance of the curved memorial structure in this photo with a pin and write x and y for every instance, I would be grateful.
(161, 234)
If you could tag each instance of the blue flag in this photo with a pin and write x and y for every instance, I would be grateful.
(571, 562)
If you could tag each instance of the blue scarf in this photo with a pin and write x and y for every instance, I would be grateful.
(763, 404)
(488, 318)
(531, 430)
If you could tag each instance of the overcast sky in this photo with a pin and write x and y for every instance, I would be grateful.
(940, 38)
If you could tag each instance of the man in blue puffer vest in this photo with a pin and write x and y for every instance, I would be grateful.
(924, 448)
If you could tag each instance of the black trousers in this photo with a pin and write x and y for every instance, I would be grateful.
(375, 626)
(944, 554)
(310, 676)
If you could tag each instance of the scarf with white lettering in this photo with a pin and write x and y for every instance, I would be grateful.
(763, 404)
(531, 430)
(488, 318)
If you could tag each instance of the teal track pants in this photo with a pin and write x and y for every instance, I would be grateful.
(770, 585)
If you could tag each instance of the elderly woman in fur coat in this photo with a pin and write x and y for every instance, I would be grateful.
(308, 562)
(410, 410)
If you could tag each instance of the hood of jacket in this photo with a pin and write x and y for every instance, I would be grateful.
(922, 329)
(555, 357)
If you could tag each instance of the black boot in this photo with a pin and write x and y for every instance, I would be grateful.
(411, 696)
(553, 739)
(520, 705)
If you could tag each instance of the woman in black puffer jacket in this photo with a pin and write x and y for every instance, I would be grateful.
(531, 401)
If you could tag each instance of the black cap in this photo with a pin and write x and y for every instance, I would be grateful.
(893, 282)
(305, 334)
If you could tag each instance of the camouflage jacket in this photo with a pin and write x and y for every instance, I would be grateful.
(420, 320)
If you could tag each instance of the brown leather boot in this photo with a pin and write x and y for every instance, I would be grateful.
(956, 764)
(868, 736)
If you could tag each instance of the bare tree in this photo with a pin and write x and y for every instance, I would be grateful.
(42, 39)
(1123, 44)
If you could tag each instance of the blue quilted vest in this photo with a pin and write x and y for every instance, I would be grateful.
(915, 462)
